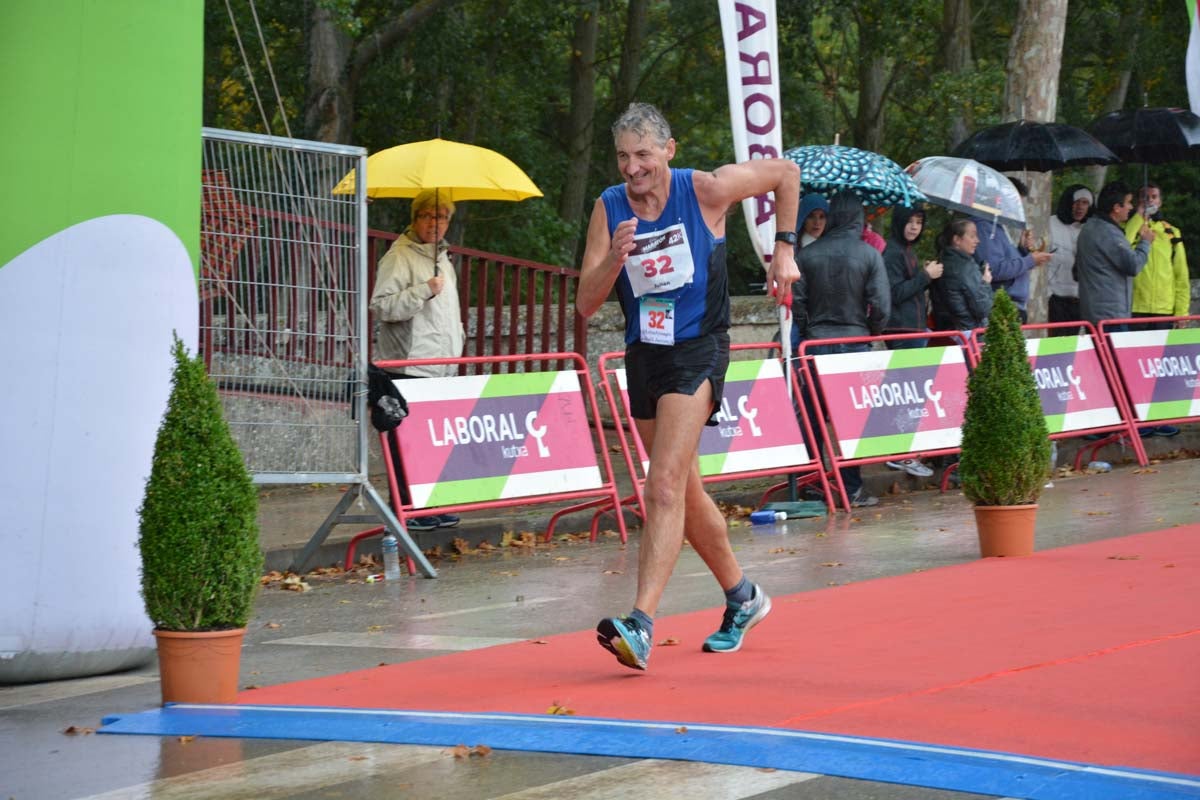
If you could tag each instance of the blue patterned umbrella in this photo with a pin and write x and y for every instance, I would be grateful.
(877, 180)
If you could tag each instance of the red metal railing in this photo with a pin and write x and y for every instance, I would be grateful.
(510, 306)
(281, 283)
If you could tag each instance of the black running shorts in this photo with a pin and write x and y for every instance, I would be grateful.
(654, 370)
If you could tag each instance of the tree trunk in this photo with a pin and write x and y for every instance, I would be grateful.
(329, 110)
(337, 63)
(628, 74)
(1031, 92)
(868, 117)
(1115, 99)
(577, 127)
(956, 51)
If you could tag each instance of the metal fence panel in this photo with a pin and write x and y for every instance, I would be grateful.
(282, 320)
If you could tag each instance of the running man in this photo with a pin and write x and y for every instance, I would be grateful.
(660, 238)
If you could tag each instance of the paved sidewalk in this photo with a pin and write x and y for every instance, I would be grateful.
(289, 515)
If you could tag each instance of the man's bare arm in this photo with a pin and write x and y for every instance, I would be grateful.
(732, 183)
(603, 258)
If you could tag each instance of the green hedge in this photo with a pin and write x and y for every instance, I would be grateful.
(1005, 445)
(198, 534)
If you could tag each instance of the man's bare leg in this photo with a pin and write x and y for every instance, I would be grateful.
(673, 441)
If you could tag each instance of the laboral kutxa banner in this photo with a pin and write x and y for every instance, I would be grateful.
(889, 402)
(1071, 383)
(1161, 370)
(488, 437)
(756, 427)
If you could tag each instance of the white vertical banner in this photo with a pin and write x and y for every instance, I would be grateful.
(752, 71)
(1191, 60)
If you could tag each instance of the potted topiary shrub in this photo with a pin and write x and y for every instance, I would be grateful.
(198, 537)
(1005, 459)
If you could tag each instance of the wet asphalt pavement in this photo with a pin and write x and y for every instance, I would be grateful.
(342, 623)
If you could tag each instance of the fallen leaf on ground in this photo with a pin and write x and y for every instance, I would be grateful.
(832, 564)
(681, 729)
(272, 625)
(185, 739)
(538, 641)
(1099, 513)
(462, 751)
(76, 730)
(560, 711)
(357, 758)
(1124, 558)
(613, 572)
(669, 642)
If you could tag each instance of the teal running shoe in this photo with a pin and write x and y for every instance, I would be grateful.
(625, 639)
(738, 619)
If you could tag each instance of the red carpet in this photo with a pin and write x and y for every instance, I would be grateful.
(1088, 653)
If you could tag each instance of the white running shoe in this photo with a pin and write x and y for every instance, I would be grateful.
(912, 466)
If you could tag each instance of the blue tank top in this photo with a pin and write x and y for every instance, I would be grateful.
(702, 306)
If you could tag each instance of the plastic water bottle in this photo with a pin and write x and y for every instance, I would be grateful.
(1099, 466)
(767, 516)
(391, 557)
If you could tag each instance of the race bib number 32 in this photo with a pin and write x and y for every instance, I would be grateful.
(661, 261)
(657, 315)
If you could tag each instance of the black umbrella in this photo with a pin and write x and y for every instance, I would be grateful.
(1034, 146)
(1150, 135)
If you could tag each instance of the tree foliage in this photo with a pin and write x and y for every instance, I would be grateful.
(497, 73)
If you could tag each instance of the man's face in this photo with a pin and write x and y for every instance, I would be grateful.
(1120, 212)
(642, 161)
(1080, 208)
(1152, 196)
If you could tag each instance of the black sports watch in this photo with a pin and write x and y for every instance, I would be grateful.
(787, 236)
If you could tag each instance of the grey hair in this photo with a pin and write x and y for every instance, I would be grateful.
(430, 198)
(644, 120)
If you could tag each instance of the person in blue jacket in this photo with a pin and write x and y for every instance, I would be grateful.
(659, 239)
(1010, 264)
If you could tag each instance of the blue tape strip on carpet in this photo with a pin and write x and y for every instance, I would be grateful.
(932, 766)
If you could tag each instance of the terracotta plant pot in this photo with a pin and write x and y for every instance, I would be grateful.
(1006, 530)
(199, 667)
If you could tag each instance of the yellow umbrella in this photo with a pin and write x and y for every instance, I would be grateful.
(460, 171)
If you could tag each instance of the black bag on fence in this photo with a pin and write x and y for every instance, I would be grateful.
(388, 406)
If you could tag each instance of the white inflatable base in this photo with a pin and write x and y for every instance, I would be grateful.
(86, 319)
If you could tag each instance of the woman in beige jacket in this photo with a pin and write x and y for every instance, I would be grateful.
(416, 304)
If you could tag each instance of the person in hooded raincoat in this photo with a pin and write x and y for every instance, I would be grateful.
(1073, 206)
(844, 293)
